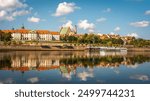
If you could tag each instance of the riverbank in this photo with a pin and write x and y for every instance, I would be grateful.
(59, 48)
(40, 48)
(138, 49)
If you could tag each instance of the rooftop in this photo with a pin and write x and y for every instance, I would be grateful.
(26, 31)
(64, 30)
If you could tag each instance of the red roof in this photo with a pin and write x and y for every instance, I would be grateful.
(54, 33)
(23, 69)
(43, 31)
(54, 67)
(7, 31)
(23, 31)
(42, 68)
(26, 31)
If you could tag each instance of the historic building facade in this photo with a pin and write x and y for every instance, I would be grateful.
(33, 35)
(68, 31)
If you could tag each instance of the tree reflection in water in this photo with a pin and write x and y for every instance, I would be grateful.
(73, 67)
(71, 60)
(5, 62)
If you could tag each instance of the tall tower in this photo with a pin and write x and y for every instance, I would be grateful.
(22, 26)
(13, 28)
(75, 29)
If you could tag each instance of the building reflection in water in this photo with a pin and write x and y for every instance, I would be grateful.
(68, 62)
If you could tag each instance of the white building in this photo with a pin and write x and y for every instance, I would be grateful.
(55, 35)
(44, 35)
(33, 35)
(16, 36)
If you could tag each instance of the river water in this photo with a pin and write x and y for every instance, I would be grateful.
(55, 67)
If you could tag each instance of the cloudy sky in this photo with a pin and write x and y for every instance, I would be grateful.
(125, 17)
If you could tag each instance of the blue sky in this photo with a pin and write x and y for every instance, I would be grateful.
(124, 17)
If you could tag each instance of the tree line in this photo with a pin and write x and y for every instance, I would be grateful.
(94, 39)
(140, 43)
(91, 39)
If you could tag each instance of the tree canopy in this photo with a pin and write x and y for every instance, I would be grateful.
(5, 36)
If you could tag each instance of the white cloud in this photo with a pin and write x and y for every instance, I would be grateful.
(107, 10)
(9, 18)
(140, 77)
(33, 19)
(140, 24)
(68, 24)
(91, 30)
(65, 8)
(67, 76)
(117, 29)
(102, 19)
(9, 9)
(84, 75)
(133, 35)
(11, 4)
(33, 80)
(147, 12)
(20, 13)
(4, 16)
(84, 24)
(3, 13)
(112, 33)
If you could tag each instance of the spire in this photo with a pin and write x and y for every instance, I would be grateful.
(13, 28)
(75, 29)
(22, 26)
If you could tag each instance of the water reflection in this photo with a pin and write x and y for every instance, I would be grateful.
(140, 77)
(84, 75)
(7, 81)
(33, 80)
(71, 67)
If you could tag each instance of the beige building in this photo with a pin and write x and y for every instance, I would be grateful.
(55, 36)
(33, 35)
(44, 35)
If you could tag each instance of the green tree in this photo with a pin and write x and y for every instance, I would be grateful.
(5, 36)
(140, 43)
(72, 38)
(1, 35)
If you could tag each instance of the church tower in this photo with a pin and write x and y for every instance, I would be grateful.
(22, 26)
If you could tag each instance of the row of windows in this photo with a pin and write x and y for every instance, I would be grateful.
(36, 38)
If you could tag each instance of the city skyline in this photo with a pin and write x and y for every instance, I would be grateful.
(123, 17)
